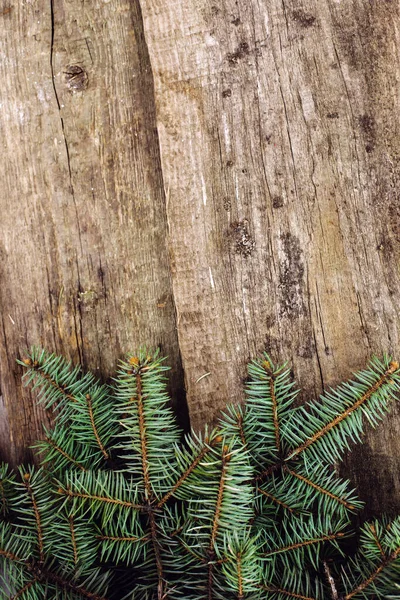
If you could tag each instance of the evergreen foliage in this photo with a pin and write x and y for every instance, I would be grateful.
(123, 507)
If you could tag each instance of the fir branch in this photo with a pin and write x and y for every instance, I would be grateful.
(272, 376)
(149, 431)
(43, 574)
(319, 488)
(24, 589)
(73, 538)
(287, 593)
(364, 577)
(276, 500)
(7, 479)
(310, 486)
(269, 400)
(39, 527)
(36, 367)
(63, 453)
(293, 583)
(61, 449)
(92, 419)
(58, 383)
(372, 528)
(95, 430)
(157, 554)
(241, 566)
(215, 523)
(208, 445)
(199, 559)
(298, 541)
(239, 574)
(223, 507)
(358, 401)
(71, 494)
(10, 555)
(267, 472)
(303, 544)
(71, 542)
(210, 580)
(105, 493)
(142, 433)
(120, 538)
(123, 544)
(202, 519)
(222, 483)
(373, 576)
(220, 499)
(3, 500)
(241, 430)
(216, 520)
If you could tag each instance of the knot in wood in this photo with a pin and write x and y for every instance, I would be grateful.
(76, 78)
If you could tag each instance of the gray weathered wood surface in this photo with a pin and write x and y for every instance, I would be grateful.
(221, 178)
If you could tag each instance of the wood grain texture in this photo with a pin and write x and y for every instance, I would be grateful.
(278, 125)
(84, 265)
(218, 178)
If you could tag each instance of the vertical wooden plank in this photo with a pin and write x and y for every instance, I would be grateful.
(84, 263)
(278, 131)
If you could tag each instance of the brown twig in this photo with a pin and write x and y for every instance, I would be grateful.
(331, 581)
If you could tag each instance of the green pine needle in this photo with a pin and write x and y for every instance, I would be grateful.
(125, 507)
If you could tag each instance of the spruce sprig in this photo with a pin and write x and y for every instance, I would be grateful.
(124, 506)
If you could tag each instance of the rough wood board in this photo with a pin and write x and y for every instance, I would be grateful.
(84, 266)
(278, 125)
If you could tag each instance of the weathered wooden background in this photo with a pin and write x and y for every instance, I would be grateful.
(215, 178)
